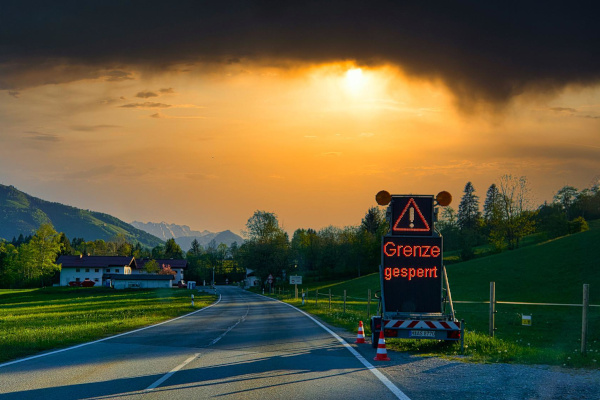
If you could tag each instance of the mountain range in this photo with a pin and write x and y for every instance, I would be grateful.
(21, 213)
(184, 236)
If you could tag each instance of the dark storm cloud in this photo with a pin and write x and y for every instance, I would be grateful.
(43, 137)
(482, 50)
(146, 94)
(147, 104)
(92, 128)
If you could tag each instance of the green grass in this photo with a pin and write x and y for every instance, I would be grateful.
(35, 320)
(541, 272)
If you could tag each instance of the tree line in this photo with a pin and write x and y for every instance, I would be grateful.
(506, 217)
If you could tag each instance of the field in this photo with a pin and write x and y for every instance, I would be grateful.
(36, 320)
(546, 272)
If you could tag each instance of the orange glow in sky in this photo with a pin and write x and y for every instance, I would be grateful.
(206, 147)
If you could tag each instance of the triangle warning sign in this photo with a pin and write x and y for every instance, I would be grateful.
(411, 219)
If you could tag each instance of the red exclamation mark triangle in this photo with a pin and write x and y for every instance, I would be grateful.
(398, 228)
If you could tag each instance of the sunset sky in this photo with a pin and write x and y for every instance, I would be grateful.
(199, 114)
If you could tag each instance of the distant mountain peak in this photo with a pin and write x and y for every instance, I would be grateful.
(184, 236)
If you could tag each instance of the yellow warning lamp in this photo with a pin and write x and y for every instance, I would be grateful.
(443, 198)
(383, 198)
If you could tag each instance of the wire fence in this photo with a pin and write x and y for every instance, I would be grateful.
(525, 323)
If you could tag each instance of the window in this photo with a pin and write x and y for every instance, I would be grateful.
(107, 269)
(87, 270)
(77, 270)
(77, 279)
(95, 279)
(97, 270)
(117, 270)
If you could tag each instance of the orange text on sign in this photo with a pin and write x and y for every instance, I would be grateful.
(390, 249)
(409, 273)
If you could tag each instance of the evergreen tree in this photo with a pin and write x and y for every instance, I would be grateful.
(469, 222)
(173, 250)
(195, 250)
(492, 208)
(469, 216)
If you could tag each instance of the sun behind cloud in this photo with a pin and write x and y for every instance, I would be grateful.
(355, 80)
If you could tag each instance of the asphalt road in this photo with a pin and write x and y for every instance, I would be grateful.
(244, 347)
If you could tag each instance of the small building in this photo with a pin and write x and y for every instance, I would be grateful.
(177, 266)
(251, 278)
(93, 268)
(139, 281)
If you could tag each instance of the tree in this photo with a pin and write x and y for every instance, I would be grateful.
(37, 258)
(267, 249)
(517, 221)
(448, 228)
(173, 250)
(566, 197)
(492, 208)
(196, 249)
(152, 267)
(262, 227)
(166, 270)
(469, 216)
(374, 221)
(551, 221)
(469, 221)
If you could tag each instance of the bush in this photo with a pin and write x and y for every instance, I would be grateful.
(579, 224)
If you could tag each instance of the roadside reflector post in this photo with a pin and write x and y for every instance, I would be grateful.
(192, 300)
(330, 299)
(492, 308)
(369, 304)
(316, 297)
(303, 296)
(344, 301)
(584, 318)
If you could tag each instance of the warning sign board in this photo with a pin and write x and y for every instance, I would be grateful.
(412, 215)
(411, 274)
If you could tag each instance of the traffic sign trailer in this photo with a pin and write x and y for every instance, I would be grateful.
(415, 301)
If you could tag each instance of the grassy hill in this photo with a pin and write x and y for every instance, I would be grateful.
(552, 271)
(21, 213)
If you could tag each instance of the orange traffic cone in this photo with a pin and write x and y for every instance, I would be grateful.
(360, 337)
(381, 352)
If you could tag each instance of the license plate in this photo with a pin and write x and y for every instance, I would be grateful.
(430, 334)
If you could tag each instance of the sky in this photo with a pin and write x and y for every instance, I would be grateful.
(200, 113)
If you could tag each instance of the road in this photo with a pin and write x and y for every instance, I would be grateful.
(244, 347)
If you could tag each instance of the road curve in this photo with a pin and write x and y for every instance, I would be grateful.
(245, 347)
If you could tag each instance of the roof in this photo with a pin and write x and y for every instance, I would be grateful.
(169, 261)
(95, 261)
(136, 277)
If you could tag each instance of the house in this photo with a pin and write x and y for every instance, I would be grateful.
(251, 279)
(139, 281)
(176, 266)
(93, 268)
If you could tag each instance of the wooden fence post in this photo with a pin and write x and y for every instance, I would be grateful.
(492, 308)
(584, 318)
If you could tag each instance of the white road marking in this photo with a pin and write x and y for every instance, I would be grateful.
(393, 388)
(189, 360)
(170, 373)
(108, 338)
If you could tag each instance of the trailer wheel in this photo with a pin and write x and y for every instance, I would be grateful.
(374, 338)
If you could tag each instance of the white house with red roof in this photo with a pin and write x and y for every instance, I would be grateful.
(117, 271)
